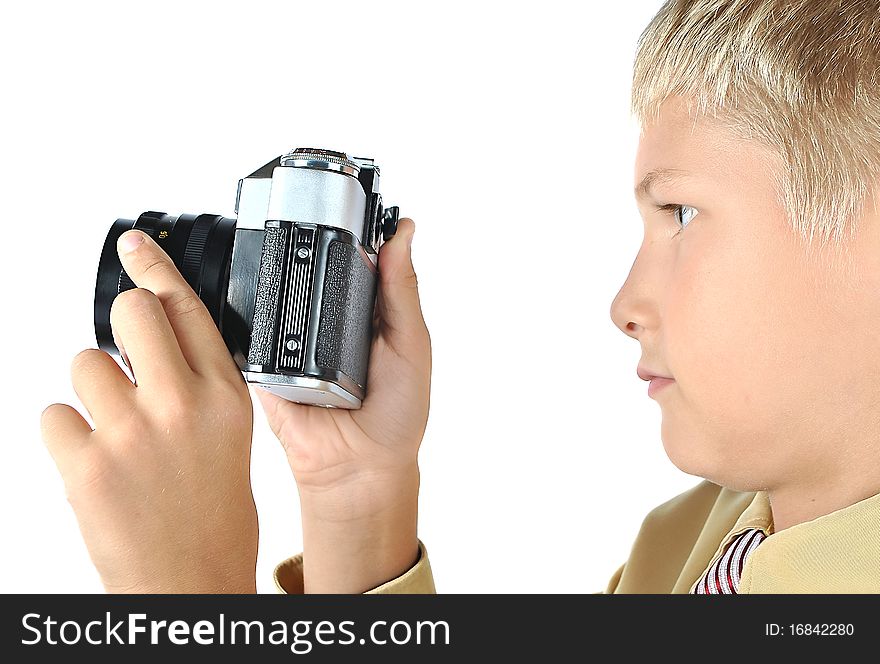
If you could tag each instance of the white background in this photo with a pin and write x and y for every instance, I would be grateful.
(501, 128)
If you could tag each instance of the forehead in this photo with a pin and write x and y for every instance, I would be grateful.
(680, 141)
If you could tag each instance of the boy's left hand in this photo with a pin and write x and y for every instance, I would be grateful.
(161, 487)
(357, 470)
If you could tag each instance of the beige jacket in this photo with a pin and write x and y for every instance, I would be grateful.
(680, 539)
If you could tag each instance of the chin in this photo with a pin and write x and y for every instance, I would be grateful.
(690, 453)
(693, 454)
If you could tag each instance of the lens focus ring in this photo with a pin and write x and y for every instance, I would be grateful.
(151, 229)
(195, 247)
(200, 246)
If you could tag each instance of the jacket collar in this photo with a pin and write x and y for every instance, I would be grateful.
(837, 552)
(757, 515)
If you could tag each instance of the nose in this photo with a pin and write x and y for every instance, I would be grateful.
(635, 308)
(622, 314)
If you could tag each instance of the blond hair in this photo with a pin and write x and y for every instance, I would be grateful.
(799, 76)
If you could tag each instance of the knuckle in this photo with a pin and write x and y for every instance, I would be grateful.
(93, 471)
(225, 395)
(231, 396)
(422, 342)
(86, 360)
(239, 398)
(178, 404)
(182, 304)
(48, 413)
(134, 298)
(206, 407)
(49, 419)
(410, 279)
(154, 265)
(233, 385)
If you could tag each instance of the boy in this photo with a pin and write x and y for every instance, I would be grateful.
(755, 291)
(753, 297)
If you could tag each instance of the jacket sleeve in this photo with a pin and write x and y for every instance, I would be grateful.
(417, 580)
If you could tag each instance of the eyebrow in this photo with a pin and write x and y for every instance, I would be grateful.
(658, 175)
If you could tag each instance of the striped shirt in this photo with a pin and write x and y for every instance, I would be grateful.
(722, 577)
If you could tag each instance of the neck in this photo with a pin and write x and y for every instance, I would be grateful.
(792, 505)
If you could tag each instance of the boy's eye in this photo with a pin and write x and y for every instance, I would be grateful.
(683, 213)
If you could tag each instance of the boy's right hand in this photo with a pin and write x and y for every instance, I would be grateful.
(357, 470)
(161, 487)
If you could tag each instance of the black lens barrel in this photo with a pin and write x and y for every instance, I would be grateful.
(200, 247)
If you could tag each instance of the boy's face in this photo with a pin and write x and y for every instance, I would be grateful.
(774, 356)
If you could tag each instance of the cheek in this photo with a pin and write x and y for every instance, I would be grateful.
(728, 325)
(731, 317)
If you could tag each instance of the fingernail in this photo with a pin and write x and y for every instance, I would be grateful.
(409, 239)
(129, 241)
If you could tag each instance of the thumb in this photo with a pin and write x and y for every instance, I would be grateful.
(270, 402)
(280, 413)
(398, 298)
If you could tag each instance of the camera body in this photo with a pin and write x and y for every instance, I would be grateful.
(291, 282)
(312, 225)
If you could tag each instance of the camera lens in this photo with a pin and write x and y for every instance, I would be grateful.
(200, 247)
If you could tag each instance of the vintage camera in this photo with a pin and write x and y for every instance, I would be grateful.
(291, 282)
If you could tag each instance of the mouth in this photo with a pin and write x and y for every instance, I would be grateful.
(649, 374)
(657, 383)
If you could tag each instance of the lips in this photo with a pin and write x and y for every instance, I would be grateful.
(658, 384)
(648, 374)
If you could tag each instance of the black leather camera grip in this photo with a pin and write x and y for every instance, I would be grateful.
(346, 328)
(267, 297)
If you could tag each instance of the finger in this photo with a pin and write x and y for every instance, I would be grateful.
(139, 322)
(398, 297)
(197, 335)
(283, 415)
(64, 432)
(100, 384)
